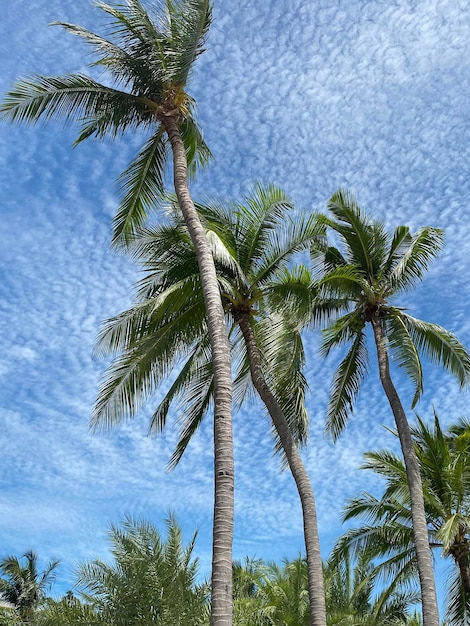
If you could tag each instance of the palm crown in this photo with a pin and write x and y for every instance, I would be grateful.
(251, 242)
(148, 58)
(364, 277)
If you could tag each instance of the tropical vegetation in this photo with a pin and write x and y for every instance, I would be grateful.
(148, 58)
(444, 461)
(251, 243)
(371, 270)
(23, 586)
(226, 295)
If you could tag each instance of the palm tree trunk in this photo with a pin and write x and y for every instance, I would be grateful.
(420, 529)
(221, 595)
(460, 554)
(299, 473)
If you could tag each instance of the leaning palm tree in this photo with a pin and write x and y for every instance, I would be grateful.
(372, 269)
(251, 242)
(23, 585)
(148, 57)
(445, 470)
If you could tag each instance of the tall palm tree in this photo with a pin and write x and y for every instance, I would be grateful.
(251, 242)
(148, 58)
(445, 470)
(372, 269)
(23, 585)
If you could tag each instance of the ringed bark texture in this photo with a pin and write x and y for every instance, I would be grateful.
(221, 596)
(420, 529)
(299, 473)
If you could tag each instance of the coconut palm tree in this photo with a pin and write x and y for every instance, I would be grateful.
(148, 58)
(23, 585)
(372, 269)
(445, 471)
(251, 242)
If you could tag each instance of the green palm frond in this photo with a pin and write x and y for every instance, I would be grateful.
(189, 24)
(197, 151)
(263, 210)
(142, 185)
(69, 98)
(345, 281)
(345, 385)
(343, 330)
(440, 346)
(404, 350)
(457, 601)
(196, 361)
(366, 240)
(133, 376)
(400, 244)
(197, 402)
(292, 292)
(421, 250)
(457, 525)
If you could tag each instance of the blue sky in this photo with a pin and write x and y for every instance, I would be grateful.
(367, 95)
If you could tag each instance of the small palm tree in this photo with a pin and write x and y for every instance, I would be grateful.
(148, 58)
(268, 594)
(372, 269)
(23, 586)
(151, 579)
(352, 595)
(251, 242)
(445, 470)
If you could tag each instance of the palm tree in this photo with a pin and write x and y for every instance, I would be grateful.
(268, 594)
(23, 586)
(445, 470)
(373, 269)
(150, 580)
(148, 58)
(351, 593)
(251, 242)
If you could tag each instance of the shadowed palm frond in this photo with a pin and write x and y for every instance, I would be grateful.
(142, 184)
(366, 241)
(404, 351)
(345, 386)
(457, 601)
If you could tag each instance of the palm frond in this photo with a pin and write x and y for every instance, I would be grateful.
(142, 183)
(404, 350)
(400, 243)
(343, 330)
(457, 601)
(189, 25)
(345, 386)
(366, 240)
(421, 250)
(440, 346)
(69, 98)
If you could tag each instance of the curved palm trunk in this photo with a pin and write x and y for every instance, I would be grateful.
(420, 530)
(299, 473)
(221, 596)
